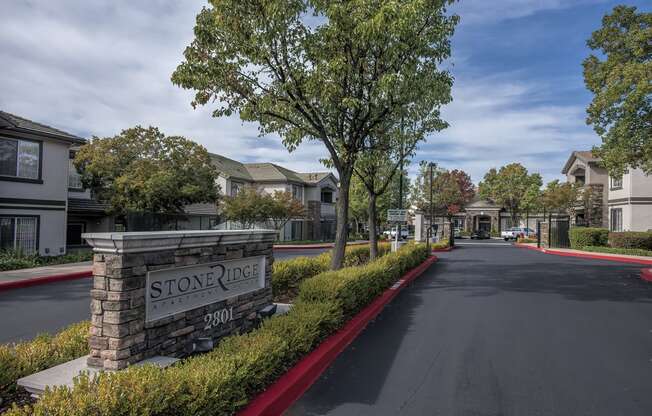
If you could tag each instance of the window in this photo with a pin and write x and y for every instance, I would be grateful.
(616, 219)
(19, 233)
(297, 230)
(20, 158)
(74, 233)
(235, 188)
(74, 178)
(327, 196)
(616, 183)
(297, 192)
(580, 180)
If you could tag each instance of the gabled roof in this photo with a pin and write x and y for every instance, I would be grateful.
(265, 172)
(230, 168)
(480, 203)
(270, 172)
(13, 122)
(314, 178)
(585, 156)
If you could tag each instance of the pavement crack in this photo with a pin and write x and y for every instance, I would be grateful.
(421, 382)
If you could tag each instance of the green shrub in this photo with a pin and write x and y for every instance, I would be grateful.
(526, 240)
(14, 260)
(441, 244)
(631, 239)
(223, 380)
(44, 351)
(584, 236)
(616, 250)
(287, 274)
(354, 287)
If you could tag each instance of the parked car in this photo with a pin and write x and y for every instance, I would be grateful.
(516, 232)
(480, 235)
(457, 233)
(391, 234)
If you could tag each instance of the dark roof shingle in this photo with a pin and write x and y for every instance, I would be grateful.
(13, 121)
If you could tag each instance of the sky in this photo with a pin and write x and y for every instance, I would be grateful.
(93, 68)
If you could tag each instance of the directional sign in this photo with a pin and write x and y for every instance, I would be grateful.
(397, 215)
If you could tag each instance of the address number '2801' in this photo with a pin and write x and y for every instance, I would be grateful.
(218, 317)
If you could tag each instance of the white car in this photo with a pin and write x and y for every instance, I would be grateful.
(392, 233)
(516, 232)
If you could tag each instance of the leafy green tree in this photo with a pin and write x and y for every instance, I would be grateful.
(340, 73)
(531, 201)
(561, 197)
(620, 78)
(282, 207)
(358, 207)
(376, 170)
(142, 170)
(508, 186)
(251, 207)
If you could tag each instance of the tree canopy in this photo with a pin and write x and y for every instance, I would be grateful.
(142, 170)
(452, 190)
(251, 207)
(620, 78)
(508, 187)
(340, 73)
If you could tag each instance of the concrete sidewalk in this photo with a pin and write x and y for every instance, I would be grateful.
(45, 271)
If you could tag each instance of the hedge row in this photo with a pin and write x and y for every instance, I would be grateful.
(45, 351)
(222, 381)
(287, 274)
(15, 260)
(581, 237)
(631, 239)
(616, 250)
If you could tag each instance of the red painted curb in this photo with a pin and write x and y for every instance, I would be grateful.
(16, 284)
(287, 389)
(618, 259)
(646, 274)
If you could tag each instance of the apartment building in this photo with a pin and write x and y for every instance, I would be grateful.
(38, 189)
(44, 208)
(618, 203)
(317, 191)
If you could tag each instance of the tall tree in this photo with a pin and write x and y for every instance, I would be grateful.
(142, 170)
(620, 78)
(337, 72)
(560, 197)
(507, 187)
(377, 168)
(451, 190)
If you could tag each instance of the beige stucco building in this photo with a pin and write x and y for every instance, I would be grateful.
(620, 204)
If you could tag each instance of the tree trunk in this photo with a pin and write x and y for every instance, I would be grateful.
(342, 227)
(373, 240)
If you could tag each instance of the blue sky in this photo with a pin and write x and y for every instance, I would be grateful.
(94, 68)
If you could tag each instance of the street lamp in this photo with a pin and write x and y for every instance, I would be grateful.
(431, 165)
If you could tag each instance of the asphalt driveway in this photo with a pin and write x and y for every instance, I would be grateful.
(497, 330)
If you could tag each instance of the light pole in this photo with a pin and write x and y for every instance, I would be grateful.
(431, 210)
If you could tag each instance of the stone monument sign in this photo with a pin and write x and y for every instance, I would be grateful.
(157, 293)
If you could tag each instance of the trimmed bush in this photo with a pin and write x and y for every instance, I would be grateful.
(287, 274)
(631, 239)
(45, 351)
(441, 244)
(526, 240)
(615, 250)
(14, 260)
(223, 380)
(581, 237)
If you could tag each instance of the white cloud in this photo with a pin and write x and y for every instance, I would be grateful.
(483, 11)
(94, 68)
(495, 121)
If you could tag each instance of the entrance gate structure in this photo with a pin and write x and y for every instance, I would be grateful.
(553, 233)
